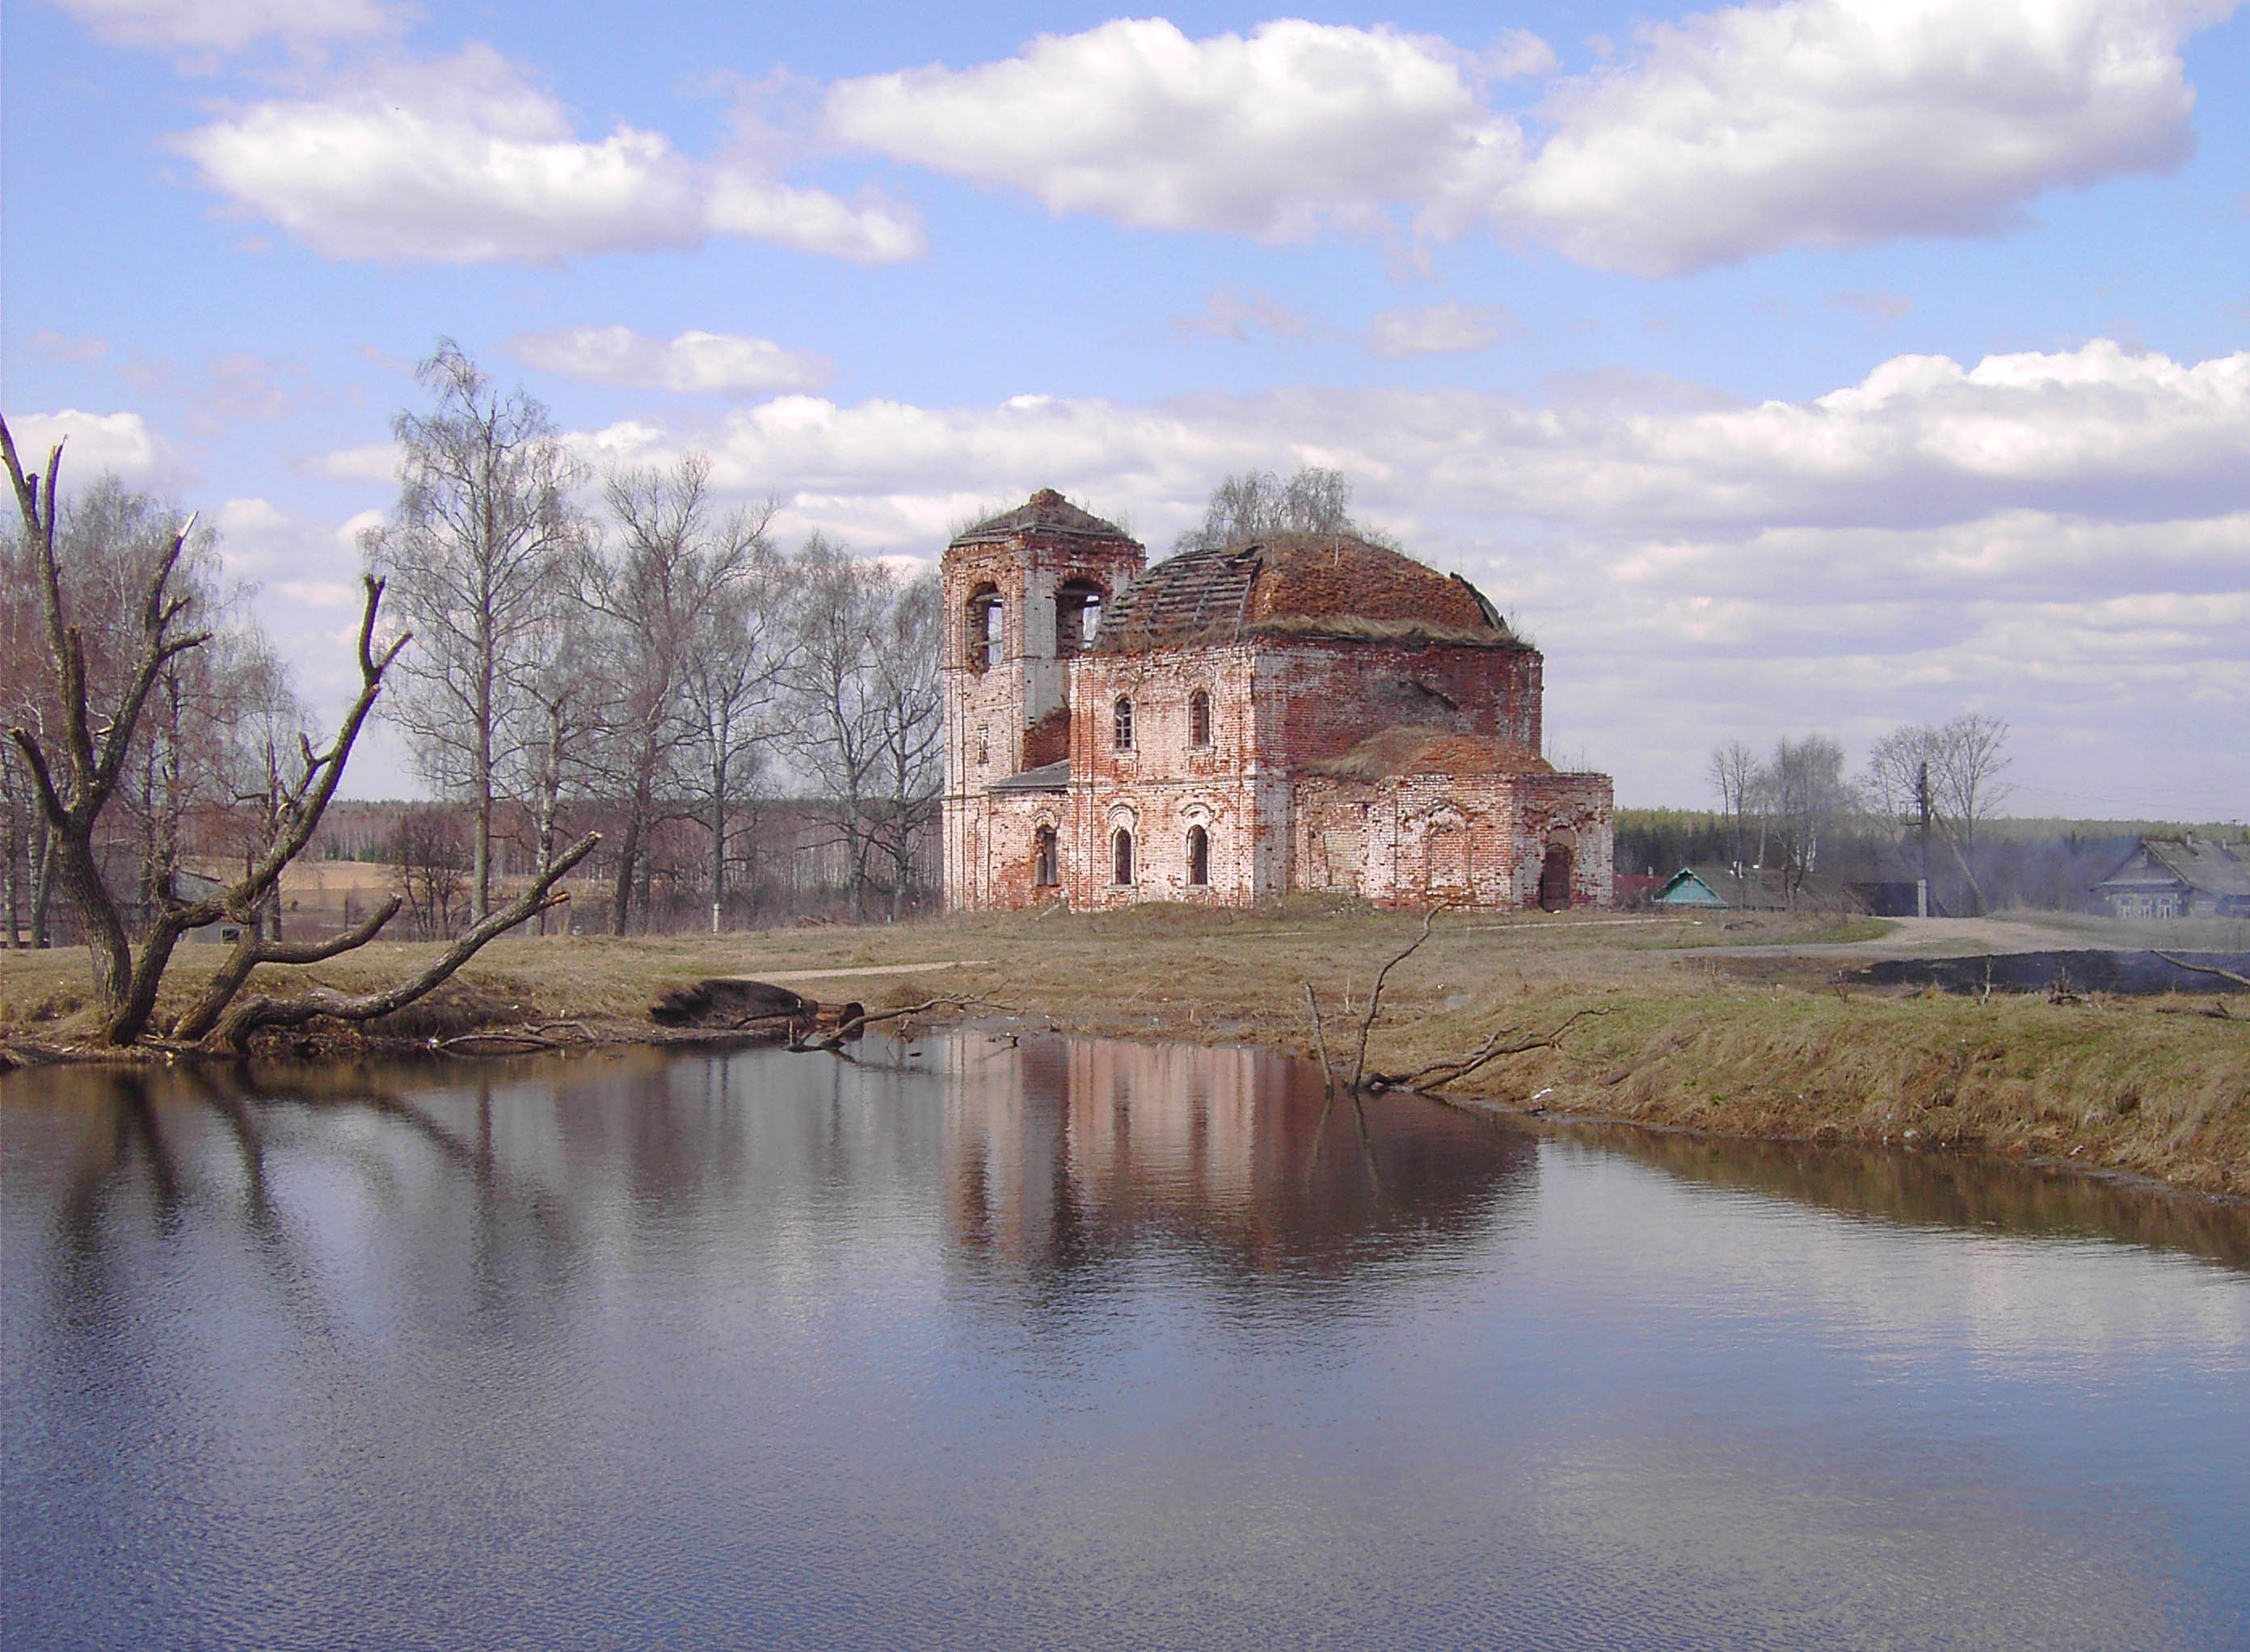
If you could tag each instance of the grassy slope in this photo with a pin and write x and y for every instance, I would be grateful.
(1761, 1047)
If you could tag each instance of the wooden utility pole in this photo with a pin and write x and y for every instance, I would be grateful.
(1921, 802)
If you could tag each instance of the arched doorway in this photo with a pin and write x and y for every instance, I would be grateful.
(1554, 879)
(1046, 863)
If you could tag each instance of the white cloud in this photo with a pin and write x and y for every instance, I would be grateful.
(1736, 132)
(460, 161)
(370, 462)
(2096, 433)
(693, 363)
(1833, 122)
(1435, 330)
(1297, 127)
(2062, 540)
(228, 25)
(121, 444)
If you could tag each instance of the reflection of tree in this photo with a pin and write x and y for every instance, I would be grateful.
(1061, 1153)
(137, 1117)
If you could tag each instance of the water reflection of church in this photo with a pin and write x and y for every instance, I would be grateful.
(1062, 1152)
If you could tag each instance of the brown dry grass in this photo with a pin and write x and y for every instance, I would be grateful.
(2157, 1086)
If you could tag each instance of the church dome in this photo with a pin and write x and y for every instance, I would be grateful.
(1325, 585)
(1046, 513)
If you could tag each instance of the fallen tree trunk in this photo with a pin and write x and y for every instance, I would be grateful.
(251, 1016)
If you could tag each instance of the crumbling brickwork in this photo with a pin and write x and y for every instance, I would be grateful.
(1236, 729)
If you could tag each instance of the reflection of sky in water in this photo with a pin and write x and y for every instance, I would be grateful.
(1058, 1345)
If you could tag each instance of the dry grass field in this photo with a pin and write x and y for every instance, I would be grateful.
(1736, 1027)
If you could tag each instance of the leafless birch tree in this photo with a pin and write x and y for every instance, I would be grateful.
(473, 555)
(670, 568)
(863, 686)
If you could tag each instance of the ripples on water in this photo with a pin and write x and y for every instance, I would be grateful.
(1077, 1345)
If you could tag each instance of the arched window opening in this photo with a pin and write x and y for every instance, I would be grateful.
(1121, 844)
(1078, 616)
(1199, 718)
(1047, 870)
(1198, 857)
(984, 620)
(1121, 726)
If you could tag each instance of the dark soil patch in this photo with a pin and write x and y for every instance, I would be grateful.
(2126, 974)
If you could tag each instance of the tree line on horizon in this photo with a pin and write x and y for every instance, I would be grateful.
(1928, 803)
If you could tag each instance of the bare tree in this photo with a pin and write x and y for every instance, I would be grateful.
(473, 550)
(741, 648)
(1314, 501)
(671, 566)
(1734, 774)
(910, 729)
(428, 870)
(76, 767)
(1804, 794)
(1949, 775)
(560, 722)
(864, 732)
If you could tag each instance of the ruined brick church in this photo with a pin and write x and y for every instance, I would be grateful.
(1296, 712)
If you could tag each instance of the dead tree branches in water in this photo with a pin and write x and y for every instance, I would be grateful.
(1501, 1042)
(1375, 993)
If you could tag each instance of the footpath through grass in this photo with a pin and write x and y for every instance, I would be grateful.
(1764, 1045)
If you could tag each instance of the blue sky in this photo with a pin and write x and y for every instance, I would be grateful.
(1811, 366)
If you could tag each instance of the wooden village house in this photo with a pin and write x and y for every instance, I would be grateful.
(1297, 712)
(2177, 878)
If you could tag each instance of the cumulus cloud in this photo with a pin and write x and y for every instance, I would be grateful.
(2061, 539)
(693, 363)
(1920, 442)
(228, 25)
(1297, 127)
(1832, 122)
(121, 444)
(460, 161)
(1436, 329)
(1737, 132)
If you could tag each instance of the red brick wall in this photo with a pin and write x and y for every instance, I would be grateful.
(1318, 700)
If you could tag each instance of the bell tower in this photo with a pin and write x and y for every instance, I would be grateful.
(1024, 592)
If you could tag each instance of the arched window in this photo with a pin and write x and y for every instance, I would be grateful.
(1199, 718)
(1198, 857)
(1078, 616)
(1046, 872)
(1121, 732)
(1121, 844)
(984, 619)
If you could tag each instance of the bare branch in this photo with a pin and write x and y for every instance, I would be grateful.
(253, 950)
(1374, 995)
(2205, 969)
(859, 1023)
(1320, 1043)
(1506, 1040)
(252, 1015)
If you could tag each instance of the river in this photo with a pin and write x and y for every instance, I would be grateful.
(998, 1343)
